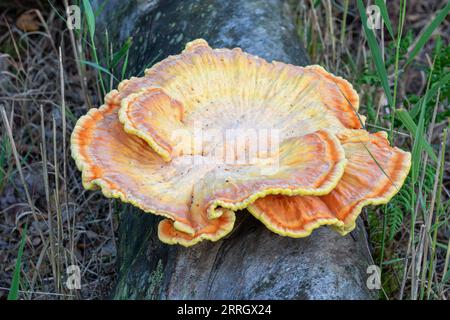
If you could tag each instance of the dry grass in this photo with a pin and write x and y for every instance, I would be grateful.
(67, 225)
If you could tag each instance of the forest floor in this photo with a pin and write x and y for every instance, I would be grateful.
(49, 78)
(66, 224)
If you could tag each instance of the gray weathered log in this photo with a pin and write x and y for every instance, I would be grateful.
(252, 262)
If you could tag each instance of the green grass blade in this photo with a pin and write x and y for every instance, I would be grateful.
(376, 54)
(14, 289)
(384, 14)
(426, 35)
(446, 277)
(411, 126)
(90, 18)
(98, 67)
(386, 263)
(119, 55)
(442, 246)
(124, 66)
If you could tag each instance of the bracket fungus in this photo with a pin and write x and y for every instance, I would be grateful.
(211, 131)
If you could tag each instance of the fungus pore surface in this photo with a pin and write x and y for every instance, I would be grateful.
(211, 131)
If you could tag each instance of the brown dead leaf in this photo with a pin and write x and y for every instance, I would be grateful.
(28, 21)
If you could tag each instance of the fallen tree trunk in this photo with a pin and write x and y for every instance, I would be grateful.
(252, 262)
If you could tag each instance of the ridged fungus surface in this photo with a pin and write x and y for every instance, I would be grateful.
(211, 131)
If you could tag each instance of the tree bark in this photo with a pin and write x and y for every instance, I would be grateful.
(252, 262)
